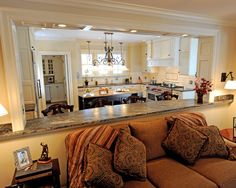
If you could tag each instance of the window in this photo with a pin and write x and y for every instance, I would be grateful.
(88, 68)
(87, 64)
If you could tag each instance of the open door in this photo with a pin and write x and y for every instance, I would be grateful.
(39, 82)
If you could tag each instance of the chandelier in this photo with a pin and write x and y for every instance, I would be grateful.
(109, 59)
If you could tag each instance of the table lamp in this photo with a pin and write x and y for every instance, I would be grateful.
(3, 111)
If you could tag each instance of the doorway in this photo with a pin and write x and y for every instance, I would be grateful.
(53, 80)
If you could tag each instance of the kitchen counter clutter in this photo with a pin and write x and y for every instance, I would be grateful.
(95, 116)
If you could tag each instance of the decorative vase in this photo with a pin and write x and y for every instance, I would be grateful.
(200, 98)
(86, 82)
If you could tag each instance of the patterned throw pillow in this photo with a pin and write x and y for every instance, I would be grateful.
(215, 147)
(130, 157)
(99, 171)
(184, 142)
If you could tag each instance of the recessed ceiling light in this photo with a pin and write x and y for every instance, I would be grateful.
(87, 28)
(133, 31)
(185, 35)
(61, 25)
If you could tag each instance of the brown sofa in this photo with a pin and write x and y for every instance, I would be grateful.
(165, 172)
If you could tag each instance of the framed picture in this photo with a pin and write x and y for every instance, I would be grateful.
(22, 158)
(234, 127)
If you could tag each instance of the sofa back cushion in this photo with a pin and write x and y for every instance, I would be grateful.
(151, 131)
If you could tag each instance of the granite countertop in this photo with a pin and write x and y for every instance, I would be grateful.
(108, 85)
(92, 117)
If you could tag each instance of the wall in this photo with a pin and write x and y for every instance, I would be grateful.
(56, 144)
(3, 93)
(65, 46)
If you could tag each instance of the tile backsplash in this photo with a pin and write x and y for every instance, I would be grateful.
(162, 74)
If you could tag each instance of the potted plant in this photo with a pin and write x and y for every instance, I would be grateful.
(202, 87)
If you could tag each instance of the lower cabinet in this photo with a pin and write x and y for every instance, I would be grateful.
(55, 92)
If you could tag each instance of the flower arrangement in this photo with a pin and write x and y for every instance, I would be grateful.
(202, 86)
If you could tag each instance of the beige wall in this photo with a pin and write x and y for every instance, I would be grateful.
(56, 144)
(65, 46)
(3, 93)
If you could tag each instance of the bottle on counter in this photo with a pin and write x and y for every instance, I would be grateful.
(139, 80)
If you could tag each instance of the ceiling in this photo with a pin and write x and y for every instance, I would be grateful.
(65, 34)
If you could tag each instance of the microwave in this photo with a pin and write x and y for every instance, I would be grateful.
(50, 79)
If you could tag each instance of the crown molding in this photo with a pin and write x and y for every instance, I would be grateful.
(118, 7)
(137, 9)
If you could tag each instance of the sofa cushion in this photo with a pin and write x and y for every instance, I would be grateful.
(151, 133)
(215, 147)
(168, 173)
(184, 143)
(138, 184)
(130, 156)
(98, 170)
(220, 171)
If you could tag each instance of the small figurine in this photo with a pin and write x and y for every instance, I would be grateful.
(44, 156)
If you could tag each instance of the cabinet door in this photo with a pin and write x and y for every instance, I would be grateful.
(184, 45)
(149, 50)
(57, 92)
(48, 92)
(166, 49)
(163, 49)
(184, 63)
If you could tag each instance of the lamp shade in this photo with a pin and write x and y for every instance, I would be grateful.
(3, 111)
(230, 84)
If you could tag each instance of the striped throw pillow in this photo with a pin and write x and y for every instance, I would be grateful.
(104, 136)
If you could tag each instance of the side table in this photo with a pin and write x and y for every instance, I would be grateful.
(228, 134)
(51, 177)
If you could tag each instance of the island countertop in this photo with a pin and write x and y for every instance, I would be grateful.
(95, 116)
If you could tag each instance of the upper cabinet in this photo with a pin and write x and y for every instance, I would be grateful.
(179, 52)
(162, 52)
(48, 66)
(163, 49)
(188, 53)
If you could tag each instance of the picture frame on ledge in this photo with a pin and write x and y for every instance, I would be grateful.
(234, 127)
(22, 158)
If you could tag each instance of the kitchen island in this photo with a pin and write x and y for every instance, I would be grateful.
(96, 99)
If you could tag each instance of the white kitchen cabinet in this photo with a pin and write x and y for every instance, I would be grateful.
(48, 66)
(57, 92)
(149, 50)
(185, 94)
(163, 49)
(164, 52)
(188, 54)
(47, 93)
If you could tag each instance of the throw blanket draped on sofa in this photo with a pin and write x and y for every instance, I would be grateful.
(77, 143)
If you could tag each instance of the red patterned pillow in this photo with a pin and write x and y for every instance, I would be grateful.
(99, 171)
(130, 157)
(184, 142)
